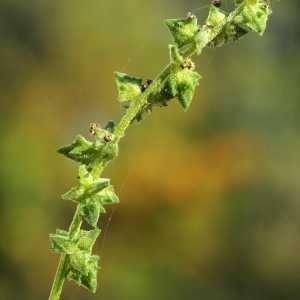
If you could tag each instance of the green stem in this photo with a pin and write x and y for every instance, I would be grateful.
(59, 277)
(65, 258)
(97, 169)
(139, 102)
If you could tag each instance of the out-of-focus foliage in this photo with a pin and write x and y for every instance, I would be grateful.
(221, 224)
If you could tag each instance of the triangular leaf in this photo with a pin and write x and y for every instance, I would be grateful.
(98, 185)
(215, 16)
(255, 16)
(82, 151)
(110, 127)
(90, 212)
(76, 194)
(63, 244)
(233, 32)
(175, 56)
(87, 239)
(129, 87)
(82, 192)
(183, 83)
(230, 31)
(110, 151)
(62, 232)
(84, 262)
(88, 281)
(85, 176)
(79, 261)
(183, 30)
(97, 132)
(162, 95)
(108, 196)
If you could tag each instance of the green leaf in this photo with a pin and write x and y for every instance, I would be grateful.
(88, 281)
(82, 192)
(231, 31)
(62, 232)
(129, 87)
(108, 196)
(87, 264)
(82, 151)
(110, 127)
(63, 244)
(85, 176)
(110, 151)
(183, 30)
(97, 132)
(162, 95)
(201, 39)
(90, 212)
(98, 185)
(183, 83)
(84, 262)
(94, 205)
(254, 16)
(87, 239)
(215, 16)
(76, 194)
(175, 56)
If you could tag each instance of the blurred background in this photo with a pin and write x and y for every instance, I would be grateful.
(210, 198)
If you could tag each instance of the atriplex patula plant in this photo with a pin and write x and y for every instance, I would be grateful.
(178, 80)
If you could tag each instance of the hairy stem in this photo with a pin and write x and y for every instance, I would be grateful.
(64, 260)
(142, 99)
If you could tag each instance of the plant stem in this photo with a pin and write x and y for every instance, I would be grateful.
(97, 169)
(64, 260)
(139, 102)
(59, 277)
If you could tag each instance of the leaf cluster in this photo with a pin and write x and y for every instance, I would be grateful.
(186, 33)
(91, 194)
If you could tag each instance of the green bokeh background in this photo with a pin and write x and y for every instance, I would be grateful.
(210, 198)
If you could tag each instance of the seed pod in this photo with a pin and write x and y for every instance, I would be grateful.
(189, 64)
(107, 138)
(145, 85)
(217, 3)
(190, 16)
(92, 126)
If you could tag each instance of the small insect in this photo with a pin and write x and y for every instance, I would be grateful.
(92, 126)
(190, 16)
(188, 64)
(217, 3)
(145, 85)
